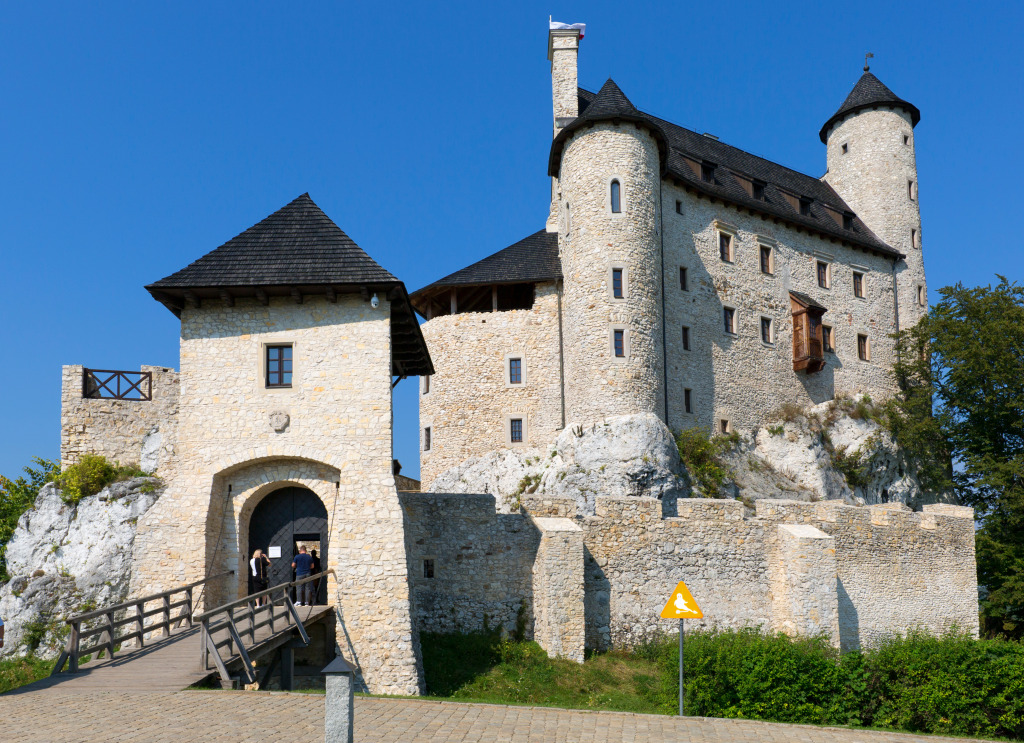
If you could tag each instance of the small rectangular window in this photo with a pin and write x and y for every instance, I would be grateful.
(913, 238)
(766, 260)
(858, 284)
(428, 568)
(707, 172)
(766, 330)
(516, 430)
(617, 283)
(823, 275)
(724, 426)
(921, 296)
(684, 284)
(725, 246)
(688, 400)
(679, 207)
(729, 317)
(826, 339)
(279, 366)
(515, 371)
(910, 190)
(686, 338)
(805, 206)
(906, 139)
(757, 190)
(426, 384)
(426, 439)
(620, 344)
(863, 348)
(847, 221)
(846, 148)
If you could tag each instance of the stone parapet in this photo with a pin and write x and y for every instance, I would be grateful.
(558, 593)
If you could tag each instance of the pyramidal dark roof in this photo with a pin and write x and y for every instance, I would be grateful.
(610, 104)
(867, 93)
(534, 258)
(298, 245)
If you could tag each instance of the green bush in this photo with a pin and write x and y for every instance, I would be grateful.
(90, 475)
(701, 453)
(20, 671)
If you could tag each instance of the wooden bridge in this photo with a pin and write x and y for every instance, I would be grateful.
(174, 649)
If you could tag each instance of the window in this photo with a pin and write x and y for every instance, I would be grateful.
(805, 206)
(426, 384)
(766, 260)
(616, 195)
(516, 430)
(846, 148)
(823, 274)
(724, 427)
(426, 439)
(568, 220)
(428, 568)
(686, 338)
(688, 401)
(683, 283)
(910, 190)
(767, 336)
(729, 316)
(858, 284)
(707, 172)
(906, 139)
(679, 207)
(725, 246)
(515, 371)
(617, 288)
(913, 238)
(619, 341)
(863, 348)
(922, 297)
(847, 221)
(757, 190)
(279, 366)
(826, 339)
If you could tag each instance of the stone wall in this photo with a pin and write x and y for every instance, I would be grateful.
(558, 592)
(470, 402)
(139, 432)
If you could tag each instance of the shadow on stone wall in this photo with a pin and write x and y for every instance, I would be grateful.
(849, 623)
(596, 604)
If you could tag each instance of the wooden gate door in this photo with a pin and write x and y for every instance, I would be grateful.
(276, 521)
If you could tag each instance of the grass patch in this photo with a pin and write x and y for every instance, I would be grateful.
(20, 671)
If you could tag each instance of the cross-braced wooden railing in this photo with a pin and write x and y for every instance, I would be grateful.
(110, 384)
(108, 621)
(230, 625)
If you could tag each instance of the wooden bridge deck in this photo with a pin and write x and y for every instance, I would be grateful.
(164, 664)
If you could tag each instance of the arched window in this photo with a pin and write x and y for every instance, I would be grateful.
(616, 197)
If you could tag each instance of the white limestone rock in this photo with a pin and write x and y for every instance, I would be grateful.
(63, 558)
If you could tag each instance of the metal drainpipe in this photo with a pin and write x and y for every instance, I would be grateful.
(561, 350)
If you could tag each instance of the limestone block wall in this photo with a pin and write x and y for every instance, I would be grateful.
(804, 585)
(877, 176)
(470, 400)
(338, 418)
(558, 593)
(738, 377)
(592, 241)
(127, 431)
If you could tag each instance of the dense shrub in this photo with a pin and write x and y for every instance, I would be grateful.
(90, 475)
(701, 453)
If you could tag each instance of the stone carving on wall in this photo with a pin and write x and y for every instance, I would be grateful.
(279, 421)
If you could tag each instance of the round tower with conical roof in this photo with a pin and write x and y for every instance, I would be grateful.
(608, 164)
(873, 167)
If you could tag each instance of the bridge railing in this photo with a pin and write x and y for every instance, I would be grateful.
(103, 627)
(229, 625)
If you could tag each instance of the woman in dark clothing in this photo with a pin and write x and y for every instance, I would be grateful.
(259, 567)
(314, 569)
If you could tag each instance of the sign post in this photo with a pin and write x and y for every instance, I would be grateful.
(681, 605)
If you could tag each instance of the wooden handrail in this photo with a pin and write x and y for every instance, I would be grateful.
(107, 630)
(253, 596)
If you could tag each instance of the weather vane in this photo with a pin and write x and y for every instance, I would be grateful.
(867, 56)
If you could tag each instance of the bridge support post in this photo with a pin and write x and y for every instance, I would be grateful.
(287, 668)
(340, 702)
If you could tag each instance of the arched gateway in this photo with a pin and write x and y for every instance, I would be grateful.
(283, 520)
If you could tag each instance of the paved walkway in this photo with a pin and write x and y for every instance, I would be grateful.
(52, 716)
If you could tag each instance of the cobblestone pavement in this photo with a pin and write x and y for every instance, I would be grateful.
(52, 716)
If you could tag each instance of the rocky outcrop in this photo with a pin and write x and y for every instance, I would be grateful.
(66, 559)
(629, 455)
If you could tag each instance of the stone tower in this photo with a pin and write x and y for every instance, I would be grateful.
(871, 164)
(608, 165)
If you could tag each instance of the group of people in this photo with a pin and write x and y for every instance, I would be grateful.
(304, 564)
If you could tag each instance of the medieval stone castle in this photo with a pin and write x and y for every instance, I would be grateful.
(676, 276)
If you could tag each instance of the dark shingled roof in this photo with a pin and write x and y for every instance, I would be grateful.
(867, 93)
(806, 301)
(686, 146)
(298, 251)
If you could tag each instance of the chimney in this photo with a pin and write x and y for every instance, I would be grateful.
(563, 46)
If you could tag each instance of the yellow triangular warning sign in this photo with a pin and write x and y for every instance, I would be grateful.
(681, 605)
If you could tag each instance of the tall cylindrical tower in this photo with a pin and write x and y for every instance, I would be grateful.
(872, 165)
(608, 162)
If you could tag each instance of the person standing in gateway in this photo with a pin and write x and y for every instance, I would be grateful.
(302, 563)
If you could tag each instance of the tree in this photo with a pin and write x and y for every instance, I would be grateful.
(961, 412)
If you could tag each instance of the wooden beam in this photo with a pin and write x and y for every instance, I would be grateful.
(225, 295)
(332, 296)
(262, 297)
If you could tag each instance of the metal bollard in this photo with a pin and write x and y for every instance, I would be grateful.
(339, 701)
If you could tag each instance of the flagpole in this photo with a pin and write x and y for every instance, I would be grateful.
(682, 631)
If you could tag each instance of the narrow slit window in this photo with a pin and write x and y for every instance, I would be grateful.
(766, 260)
(679, 207)
(426, 439)
(826, 339)
(684, 283)
(725, 246)
(729, 319)
(913, 237)
(724, 427)
(617, 287)
(863, 348)
(910, 190)
(846, 148)
(766, 330)
(515, 371)
(686, 338)
(688, 400)
(921, 296)
(823, 274)
(279, 366)
(428, 568)
(619, 337)
(426, 384)
(906, 139)
(616, 197)
(516, 430)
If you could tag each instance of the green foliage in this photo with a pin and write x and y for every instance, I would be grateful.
(701, 453)
(20, 671)
(961, 374)
(851, 465)
(90, 475)
(17, 496)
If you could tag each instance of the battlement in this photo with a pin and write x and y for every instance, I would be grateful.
(935, 516)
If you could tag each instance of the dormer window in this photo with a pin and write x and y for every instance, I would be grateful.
(707, 172)
(847, 221)
(757, 190)
(616, 197)
(805, 206)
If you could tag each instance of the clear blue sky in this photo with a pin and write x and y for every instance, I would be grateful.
(135, 137)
